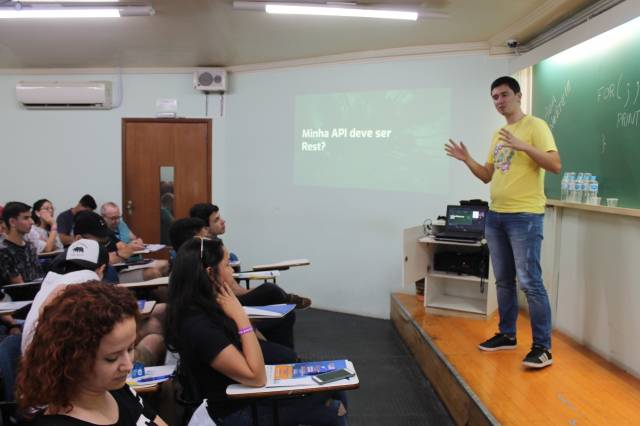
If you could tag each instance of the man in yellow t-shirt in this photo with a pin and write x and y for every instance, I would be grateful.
(520, 153)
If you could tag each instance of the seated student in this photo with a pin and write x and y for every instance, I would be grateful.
(65, 219)
(126, 243)
(110, 212)
(18, 258)
(75, 369)
(44, 231)
(90, 224)
(278, 330)
(208, 327)
(216, 226)
(92, 227)
(85, 260)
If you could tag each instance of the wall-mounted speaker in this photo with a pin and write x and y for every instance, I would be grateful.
(210, 79)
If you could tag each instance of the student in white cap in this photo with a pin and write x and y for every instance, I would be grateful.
(85, 261)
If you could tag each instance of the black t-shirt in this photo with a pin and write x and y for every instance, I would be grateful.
(202, 338)
(131, 411)
(18, 260)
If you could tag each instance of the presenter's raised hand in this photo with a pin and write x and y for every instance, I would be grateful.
(457, 151)
(511, 141)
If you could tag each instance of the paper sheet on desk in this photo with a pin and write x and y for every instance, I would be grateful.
(153, 375)
(300, 373)
(272, 382)
(150, 248)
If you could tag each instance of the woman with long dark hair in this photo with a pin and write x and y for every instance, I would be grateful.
(44, 231)
(210, 330)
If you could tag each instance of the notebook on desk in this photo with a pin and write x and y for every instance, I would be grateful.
(464, 223)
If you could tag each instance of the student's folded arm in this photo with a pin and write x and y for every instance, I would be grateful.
(248, 370)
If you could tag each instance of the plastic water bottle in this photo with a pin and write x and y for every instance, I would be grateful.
(571, 187)
(578, 193)
(593, 190)
(586, 187)
(564, 185)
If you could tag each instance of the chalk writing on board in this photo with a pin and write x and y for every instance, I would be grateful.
(604, 143)
(554, 109)
(628, 119)
(619, 91)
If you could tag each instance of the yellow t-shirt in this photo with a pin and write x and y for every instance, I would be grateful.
(517, 185)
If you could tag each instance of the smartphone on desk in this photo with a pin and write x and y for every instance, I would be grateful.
(333, 376)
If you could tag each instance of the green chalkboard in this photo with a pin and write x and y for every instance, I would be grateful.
(590, 97)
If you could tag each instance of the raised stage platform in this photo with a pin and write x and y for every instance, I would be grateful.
(483, 388)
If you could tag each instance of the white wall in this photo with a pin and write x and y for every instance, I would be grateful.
(352, 237)
(63, 154)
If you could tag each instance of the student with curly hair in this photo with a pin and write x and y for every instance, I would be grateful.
(75, 369)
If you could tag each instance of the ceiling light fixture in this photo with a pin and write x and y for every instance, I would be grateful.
(338, 9)
(75, 10)
(65, 1)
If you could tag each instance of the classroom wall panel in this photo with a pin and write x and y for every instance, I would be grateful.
(351, 235)
(63, 154)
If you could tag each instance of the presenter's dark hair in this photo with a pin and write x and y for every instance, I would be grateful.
(65, 343)
(190, 288)
(509, 81)
(13, 209)
(88, 201)
(203, 211)
(183, 229)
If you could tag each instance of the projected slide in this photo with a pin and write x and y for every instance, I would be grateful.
(388, 140)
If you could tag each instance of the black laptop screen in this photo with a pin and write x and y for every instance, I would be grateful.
(466, 219)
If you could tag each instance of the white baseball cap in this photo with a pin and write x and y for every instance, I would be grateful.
(85, 253)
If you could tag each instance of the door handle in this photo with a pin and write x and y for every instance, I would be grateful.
(130, 207)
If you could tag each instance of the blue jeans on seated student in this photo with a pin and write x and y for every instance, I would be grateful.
(9, 358)
(515, 240)
(308, 410)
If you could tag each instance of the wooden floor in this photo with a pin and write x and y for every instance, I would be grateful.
(580, 388)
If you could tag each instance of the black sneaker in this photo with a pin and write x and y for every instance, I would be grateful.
(300, 302)
(499, 342)
(539, 357)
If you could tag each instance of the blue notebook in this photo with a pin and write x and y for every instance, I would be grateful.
(269, 311)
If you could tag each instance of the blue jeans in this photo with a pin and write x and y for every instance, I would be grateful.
(9, 358)
(514, 241)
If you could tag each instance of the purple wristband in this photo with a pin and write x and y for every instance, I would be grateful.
(245, 330)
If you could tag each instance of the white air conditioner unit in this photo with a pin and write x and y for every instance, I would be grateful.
(64, 94)
(210, 79)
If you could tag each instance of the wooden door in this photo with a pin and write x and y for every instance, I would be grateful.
(153, 152)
